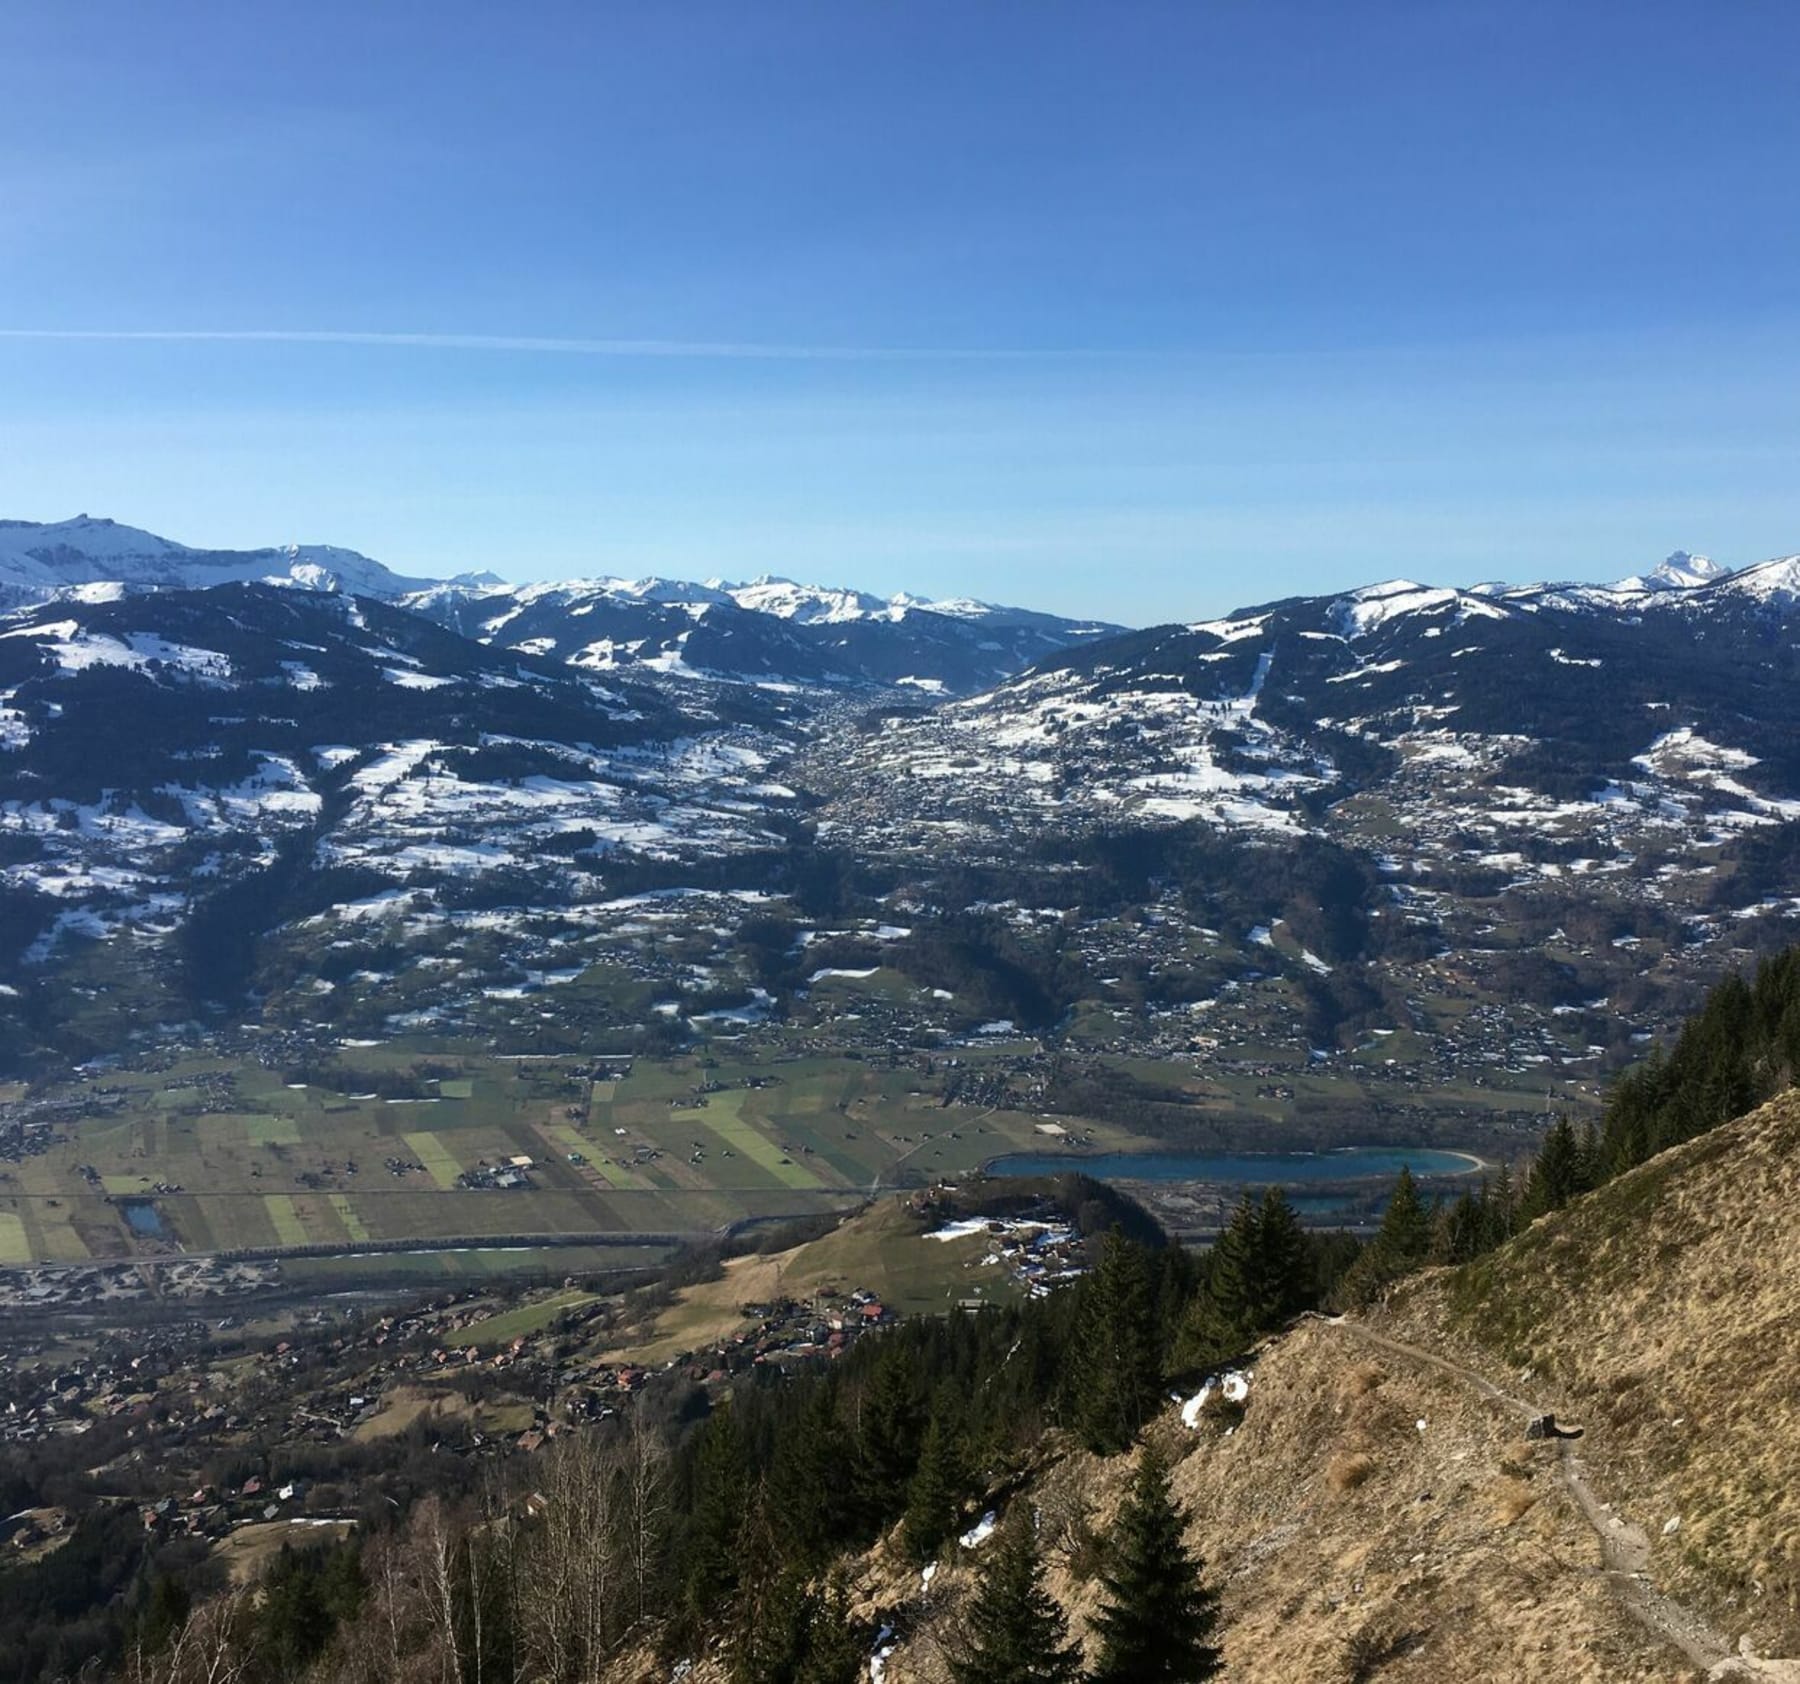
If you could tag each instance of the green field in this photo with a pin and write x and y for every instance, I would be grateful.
(346, 1214)
(15, 1246)
(528, 1318)
(289, 1229)
(439, 1161)
(724, 1118)
(272, 1131)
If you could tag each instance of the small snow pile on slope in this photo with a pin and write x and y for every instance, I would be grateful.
(980, 1532)
(1233, 1386)
(960, 1230)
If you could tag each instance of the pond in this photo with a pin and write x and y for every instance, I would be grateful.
(1249, 1169)
(142, 1216)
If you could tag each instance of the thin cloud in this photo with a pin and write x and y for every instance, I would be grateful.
(728, 350)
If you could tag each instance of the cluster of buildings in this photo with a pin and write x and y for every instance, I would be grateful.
(54, 1286)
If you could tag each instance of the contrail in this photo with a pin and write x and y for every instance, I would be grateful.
(688, 348)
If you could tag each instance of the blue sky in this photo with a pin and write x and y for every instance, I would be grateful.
(1126, 309)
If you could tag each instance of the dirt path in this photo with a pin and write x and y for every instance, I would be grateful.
(1624, 1549)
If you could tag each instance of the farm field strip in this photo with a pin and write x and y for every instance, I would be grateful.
(855, 1171)
(271, 1131)
(613, 1173)
(354, 1227)
(15, 1247)
(743, 1138)
(439, 1161)
(289, 1229)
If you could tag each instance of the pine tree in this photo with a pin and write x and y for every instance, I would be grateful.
(1016, 1632)
(1118, 1379)
(1401, 1244)
(807, 1488)
(834, 1648)
(935, 1498)
(1233, 1278)
(1556, 1174)
(1158, 1618)
(1220, 1319)
(164, 1613)
(889, 1421)
(1404, 1239)
(1174, 1274)
(1500, 1210)
(721, 1491)
(1590, 1163)
(772, 1611)
(1284, 1263)
(1459, 1234)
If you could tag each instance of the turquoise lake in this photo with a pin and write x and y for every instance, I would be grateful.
(1252, 1169)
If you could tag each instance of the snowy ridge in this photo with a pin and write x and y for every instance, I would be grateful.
(772, 633)
(42, 560)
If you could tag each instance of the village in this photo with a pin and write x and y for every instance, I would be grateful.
(210, 1427)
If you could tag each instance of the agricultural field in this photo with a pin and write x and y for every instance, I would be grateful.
(395, 1146)
(531, 1317)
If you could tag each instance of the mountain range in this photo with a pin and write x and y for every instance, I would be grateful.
(771, 632)
(1331, 820)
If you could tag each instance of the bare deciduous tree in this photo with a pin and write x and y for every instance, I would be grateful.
(216, 1644)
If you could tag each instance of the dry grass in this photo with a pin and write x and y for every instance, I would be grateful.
(1347, 1473)
(248, 1550)
(1659, 1315)
(1409, 1581)
(1663, 1324)
(1512, 1499)
(405, 1405)
(1358, 1381)
(1368, 1651)
(879, 1248)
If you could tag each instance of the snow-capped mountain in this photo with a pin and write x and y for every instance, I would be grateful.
(821, 605)
(158, 748)
(772, 632)
(1632, 749)
(1680, 571)
(1511, 822)
(1380, 775)
(1593, 697)
(42, 559)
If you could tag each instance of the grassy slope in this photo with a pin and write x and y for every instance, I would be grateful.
(1660, 1313)
(881, 1249)
(1347, 1544)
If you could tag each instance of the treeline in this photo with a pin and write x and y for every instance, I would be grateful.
(1740, 1049)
